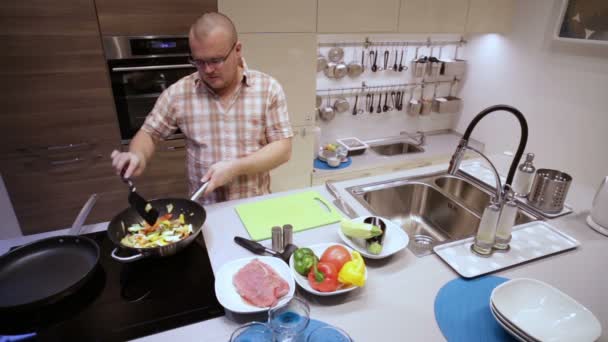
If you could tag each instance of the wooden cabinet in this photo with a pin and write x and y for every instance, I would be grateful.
(336, 16)
(433, 16)
(290, 58)
(489, 16)
(271, 15)
(58, 119)
(150, 17)
(296, 173)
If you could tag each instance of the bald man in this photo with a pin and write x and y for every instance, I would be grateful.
(234, 119)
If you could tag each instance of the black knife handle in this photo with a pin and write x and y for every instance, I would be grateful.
(250, 245)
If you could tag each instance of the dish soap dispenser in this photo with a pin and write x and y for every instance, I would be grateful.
(523, 177)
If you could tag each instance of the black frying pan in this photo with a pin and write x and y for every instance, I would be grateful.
(194, 214)
(47, 270)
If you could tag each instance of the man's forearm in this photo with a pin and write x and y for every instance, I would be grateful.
(266, 159)
(143, 145)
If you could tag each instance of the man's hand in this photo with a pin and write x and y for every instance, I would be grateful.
(220, 174)
(134, 163)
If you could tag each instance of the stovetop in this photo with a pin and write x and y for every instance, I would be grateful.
(126, 301)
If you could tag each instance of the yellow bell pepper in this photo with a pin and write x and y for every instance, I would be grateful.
(353, 271)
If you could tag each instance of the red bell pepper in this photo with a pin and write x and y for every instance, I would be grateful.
(323, 277)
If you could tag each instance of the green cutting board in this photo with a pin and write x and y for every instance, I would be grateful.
(303, 211)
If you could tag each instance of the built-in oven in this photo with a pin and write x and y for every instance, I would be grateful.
(141, 68)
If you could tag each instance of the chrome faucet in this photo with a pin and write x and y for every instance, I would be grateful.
(419, 137)
(484, 239)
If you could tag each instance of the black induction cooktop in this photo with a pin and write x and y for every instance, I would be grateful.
(126, 301)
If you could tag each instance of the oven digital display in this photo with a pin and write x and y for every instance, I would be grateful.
(161, 44)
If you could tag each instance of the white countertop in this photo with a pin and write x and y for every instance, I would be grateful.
(397, 301)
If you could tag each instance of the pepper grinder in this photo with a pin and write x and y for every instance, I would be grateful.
(523, 177)
(277, 238)
(287, 235)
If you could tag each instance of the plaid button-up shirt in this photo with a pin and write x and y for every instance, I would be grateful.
(256, 115)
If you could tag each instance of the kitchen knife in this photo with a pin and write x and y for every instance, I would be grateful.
(139, 203)
(339, 202)
(259, 249)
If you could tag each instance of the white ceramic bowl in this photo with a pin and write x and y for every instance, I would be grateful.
(318, 249)
(395, 239)
(226, 293)
(544, 312)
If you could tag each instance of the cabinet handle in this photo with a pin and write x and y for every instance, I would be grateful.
(175, 148)
(67, 161)
(68, 146)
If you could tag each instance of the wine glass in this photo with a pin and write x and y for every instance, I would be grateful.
(289, 320)
(328, 333)
(252, 332)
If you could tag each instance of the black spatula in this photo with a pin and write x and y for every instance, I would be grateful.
(139, 203)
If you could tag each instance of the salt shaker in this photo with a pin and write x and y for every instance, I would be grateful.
(523, 177)
(287, 235)
(277, 239)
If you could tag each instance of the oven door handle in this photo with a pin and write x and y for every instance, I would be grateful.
(154, 67)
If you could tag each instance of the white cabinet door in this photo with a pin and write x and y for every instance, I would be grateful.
(291, 59)
(488, 16)
(357, 16)
(433, 16)
(296, 173)
(271, 15)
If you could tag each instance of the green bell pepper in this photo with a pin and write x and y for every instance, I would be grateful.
(303, 259)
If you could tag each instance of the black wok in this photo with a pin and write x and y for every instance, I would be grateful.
(47, 270)
(193, 212)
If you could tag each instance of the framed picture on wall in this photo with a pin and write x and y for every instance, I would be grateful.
(583, 21)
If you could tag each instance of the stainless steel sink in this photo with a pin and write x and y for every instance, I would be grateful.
(432, 209)
(397, 148)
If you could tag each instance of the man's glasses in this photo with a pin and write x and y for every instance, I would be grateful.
(212, 62)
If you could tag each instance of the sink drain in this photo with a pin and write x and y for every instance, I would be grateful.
(423, 240)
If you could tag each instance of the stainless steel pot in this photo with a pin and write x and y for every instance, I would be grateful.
(194, 213)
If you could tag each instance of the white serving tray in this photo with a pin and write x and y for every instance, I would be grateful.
(529, 241)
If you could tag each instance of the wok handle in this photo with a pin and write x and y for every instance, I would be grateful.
(82, 215)
(200, 191)
(126, 259)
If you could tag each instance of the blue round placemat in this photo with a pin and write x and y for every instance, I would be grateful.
(462, 310)
(319, 164)
(312, 325)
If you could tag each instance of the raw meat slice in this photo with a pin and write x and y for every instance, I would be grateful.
(259, 284)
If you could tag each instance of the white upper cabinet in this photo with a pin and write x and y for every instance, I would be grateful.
(271, 15)
(433, 16)
(489, 16)
(357, 16)
(291, 59)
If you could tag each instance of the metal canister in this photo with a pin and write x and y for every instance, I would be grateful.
(287, 235)
(277, 239)
(549, 190)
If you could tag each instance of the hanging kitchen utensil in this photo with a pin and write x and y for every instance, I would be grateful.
(327, 113)
(194, 215)
(335, 54)
(330, 70)
(369, 102)
(386, 57)
(138, 203)
(341, 105)
(321, 61)
(379, 109)
(354, 68)
(47, 270)
(403, 52)
(395, 66)
(374, 55)
(340, 70)
(392, 106)
(355, 111)
(385, 107)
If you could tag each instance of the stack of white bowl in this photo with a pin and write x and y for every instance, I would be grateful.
(531, 310)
